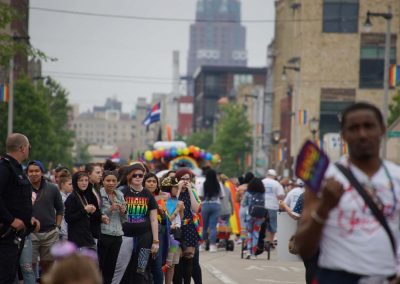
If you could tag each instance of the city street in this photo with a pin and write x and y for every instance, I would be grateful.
(229, 268)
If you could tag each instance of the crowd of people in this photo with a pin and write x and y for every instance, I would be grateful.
(137, 227)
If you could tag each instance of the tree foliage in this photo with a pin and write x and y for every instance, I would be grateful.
(11, 45)
(233, 139)
(394, 108)
(202, 139)
(42, 115)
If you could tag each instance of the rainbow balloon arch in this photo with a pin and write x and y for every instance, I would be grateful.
(190, 157)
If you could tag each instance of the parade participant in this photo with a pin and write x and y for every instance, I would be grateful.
(77, 212)
(190, 225)
(110, 241)
(255, 190)
(241, 190)
(354, 246)
(211, 194)
(57, 172)
(15, 205)
(65, 186)
(94, 172)
(74, 269)
(293, 195)
(273, 193)
(49, 210)
(140, 231)
(151, 183)
(226, 202)
(174, 211)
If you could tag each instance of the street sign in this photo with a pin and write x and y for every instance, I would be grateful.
(393, 134)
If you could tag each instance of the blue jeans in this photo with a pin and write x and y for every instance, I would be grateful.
(25, 262)
(210, 213)
(156, 263)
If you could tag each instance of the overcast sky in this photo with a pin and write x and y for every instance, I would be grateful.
(137, 53)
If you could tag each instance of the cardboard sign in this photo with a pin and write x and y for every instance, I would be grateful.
(311, 165)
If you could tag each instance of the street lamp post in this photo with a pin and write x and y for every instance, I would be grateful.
(388, 17)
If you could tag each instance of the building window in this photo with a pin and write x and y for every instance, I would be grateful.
(372, 57)
(340, 16)
(242, 79)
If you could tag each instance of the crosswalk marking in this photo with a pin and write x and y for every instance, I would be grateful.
(219, 275)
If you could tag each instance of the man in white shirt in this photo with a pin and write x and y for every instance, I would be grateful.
(293, 195)
(354, 247)
(273, 193)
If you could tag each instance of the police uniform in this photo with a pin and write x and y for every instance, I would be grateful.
(15, 202)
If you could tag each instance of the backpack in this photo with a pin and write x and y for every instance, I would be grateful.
(257, 205)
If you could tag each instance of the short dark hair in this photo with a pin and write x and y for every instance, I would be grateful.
(256, 185)
(361, 106)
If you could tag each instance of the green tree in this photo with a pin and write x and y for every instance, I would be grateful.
(394, 108)
(202, 139)
(233, 139)
(40, 114)
(9, 45)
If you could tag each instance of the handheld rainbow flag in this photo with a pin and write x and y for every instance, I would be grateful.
(394, 75)
(4, 93)
(311, 165)
(302, 117)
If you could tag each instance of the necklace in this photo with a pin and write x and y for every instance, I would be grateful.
(135, 191)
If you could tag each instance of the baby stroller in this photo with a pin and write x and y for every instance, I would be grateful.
(262, 245)
(223, 237)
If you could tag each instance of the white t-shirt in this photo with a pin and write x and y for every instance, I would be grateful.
(292, 196)
(214, 199)
(273, 189)
(352, 239)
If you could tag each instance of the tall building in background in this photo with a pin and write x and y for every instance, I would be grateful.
(216, 38)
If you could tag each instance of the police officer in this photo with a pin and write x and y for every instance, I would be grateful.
(15, 205)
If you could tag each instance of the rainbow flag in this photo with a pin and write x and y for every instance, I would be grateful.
(281, 153)
(4, 93)
(234, 219)
(302, 117)
(394, 75)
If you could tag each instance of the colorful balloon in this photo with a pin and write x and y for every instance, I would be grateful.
(202, 154)
(148, 156)
(156, 154)
(191, 149)
(185, 151)
(196, 154)
(173, 152)
(208, 156)
(167, 153)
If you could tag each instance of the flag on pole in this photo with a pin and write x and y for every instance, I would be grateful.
(153, 115)
(394, 75)
(281, 153)
(302, 117)
(4, 93)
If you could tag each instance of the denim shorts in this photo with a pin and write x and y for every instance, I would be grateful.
(273, 221)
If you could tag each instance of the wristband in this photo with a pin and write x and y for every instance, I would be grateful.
(317, 218)
(156, 241)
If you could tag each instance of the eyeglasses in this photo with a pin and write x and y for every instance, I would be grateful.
(137, 175)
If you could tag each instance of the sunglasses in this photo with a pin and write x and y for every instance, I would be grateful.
(185, 178)
(137, 175)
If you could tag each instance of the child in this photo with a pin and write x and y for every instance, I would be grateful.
(174, 210)
(65, 186)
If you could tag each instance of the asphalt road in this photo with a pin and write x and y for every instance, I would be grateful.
(228, 268)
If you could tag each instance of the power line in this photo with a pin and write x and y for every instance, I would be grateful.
(58, 73)
(159, 19)
(111, 80)
(183, 20)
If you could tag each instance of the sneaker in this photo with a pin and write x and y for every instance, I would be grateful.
(246, 254)
(213, 248)
(239, 241)
(253, 257)
(202, 247)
